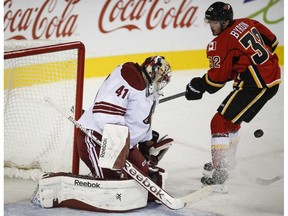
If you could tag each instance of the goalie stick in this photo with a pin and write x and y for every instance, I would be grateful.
(143, 180)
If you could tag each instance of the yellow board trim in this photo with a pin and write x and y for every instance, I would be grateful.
(102, 66)
(179, 60)
(36, 74)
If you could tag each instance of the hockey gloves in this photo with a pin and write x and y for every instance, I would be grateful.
(194, 89)
(154, 149)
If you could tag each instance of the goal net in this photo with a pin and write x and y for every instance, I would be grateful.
(37, 138)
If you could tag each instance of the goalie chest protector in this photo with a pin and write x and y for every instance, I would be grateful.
(86, 193)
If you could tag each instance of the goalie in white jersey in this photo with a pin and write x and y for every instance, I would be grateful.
(128, 97)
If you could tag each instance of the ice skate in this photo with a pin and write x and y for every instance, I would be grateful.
(35, 199)
(217, 178)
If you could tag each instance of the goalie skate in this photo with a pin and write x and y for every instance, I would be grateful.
(216, 178)
(35, 199)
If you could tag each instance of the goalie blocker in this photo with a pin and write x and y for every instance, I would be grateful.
(87, 193)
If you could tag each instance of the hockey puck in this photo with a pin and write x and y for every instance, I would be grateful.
(258, 133)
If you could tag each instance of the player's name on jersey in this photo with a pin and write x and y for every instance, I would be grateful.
(239, 29)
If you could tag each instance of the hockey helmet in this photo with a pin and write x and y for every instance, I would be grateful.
(219, 11)
(157, 72)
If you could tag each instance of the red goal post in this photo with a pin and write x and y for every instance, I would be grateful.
(33, 70)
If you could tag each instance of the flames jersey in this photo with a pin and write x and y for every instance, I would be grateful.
(244, 53)
(122, 100)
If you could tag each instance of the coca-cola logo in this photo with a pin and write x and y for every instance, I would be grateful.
(129, 15)
(53, 19)
(46, 21)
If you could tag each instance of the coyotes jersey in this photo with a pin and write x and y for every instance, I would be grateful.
(244, 53)
(122, 100)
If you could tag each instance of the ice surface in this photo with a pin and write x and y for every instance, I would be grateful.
(188, 123)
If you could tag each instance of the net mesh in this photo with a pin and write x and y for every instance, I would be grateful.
(35, 135)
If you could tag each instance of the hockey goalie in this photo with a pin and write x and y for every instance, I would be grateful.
(120, 117)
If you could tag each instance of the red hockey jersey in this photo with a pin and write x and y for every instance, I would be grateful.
(244, 53)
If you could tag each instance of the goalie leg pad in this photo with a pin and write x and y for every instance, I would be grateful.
(86, 193)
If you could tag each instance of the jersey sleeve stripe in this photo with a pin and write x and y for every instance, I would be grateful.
(217, 85)
(108, 108)
(102, 103)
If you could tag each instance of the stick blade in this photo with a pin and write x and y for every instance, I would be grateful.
(262, 181)
(197, 195)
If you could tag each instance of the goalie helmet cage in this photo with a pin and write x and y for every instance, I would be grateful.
(35, 136)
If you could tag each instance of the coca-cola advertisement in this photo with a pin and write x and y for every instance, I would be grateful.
(126, 27)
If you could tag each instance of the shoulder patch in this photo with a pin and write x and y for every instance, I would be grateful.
(133, 76)
(211, 46)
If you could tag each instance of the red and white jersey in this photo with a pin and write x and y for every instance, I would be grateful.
(245, 46)
(122, 100)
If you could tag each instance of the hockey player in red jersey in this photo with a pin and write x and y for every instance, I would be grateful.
(243, 52)
(128, 97)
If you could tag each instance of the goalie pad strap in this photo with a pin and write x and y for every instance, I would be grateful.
(86, 193)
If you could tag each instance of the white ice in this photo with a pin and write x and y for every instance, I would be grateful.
(188, 123)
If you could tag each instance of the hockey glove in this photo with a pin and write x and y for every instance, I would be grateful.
(154, 149)
(194, 90)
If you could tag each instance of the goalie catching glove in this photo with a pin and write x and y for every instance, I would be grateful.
(154, 149)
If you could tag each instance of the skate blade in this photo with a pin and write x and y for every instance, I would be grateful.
(219, 188)
(223, 189)
(35, 199)
(207, 173)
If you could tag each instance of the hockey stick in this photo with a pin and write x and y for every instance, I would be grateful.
(160, 101)
(259, 180)
(171, 97)
(263, 181)
(143, 180)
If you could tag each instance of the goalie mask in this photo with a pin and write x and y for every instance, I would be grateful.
(157, 72)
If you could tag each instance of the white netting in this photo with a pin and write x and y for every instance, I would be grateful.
(35, 135)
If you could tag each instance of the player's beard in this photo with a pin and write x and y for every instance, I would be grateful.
(214, 32)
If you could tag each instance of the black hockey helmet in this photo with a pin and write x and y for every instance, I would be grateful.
(219, 11)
